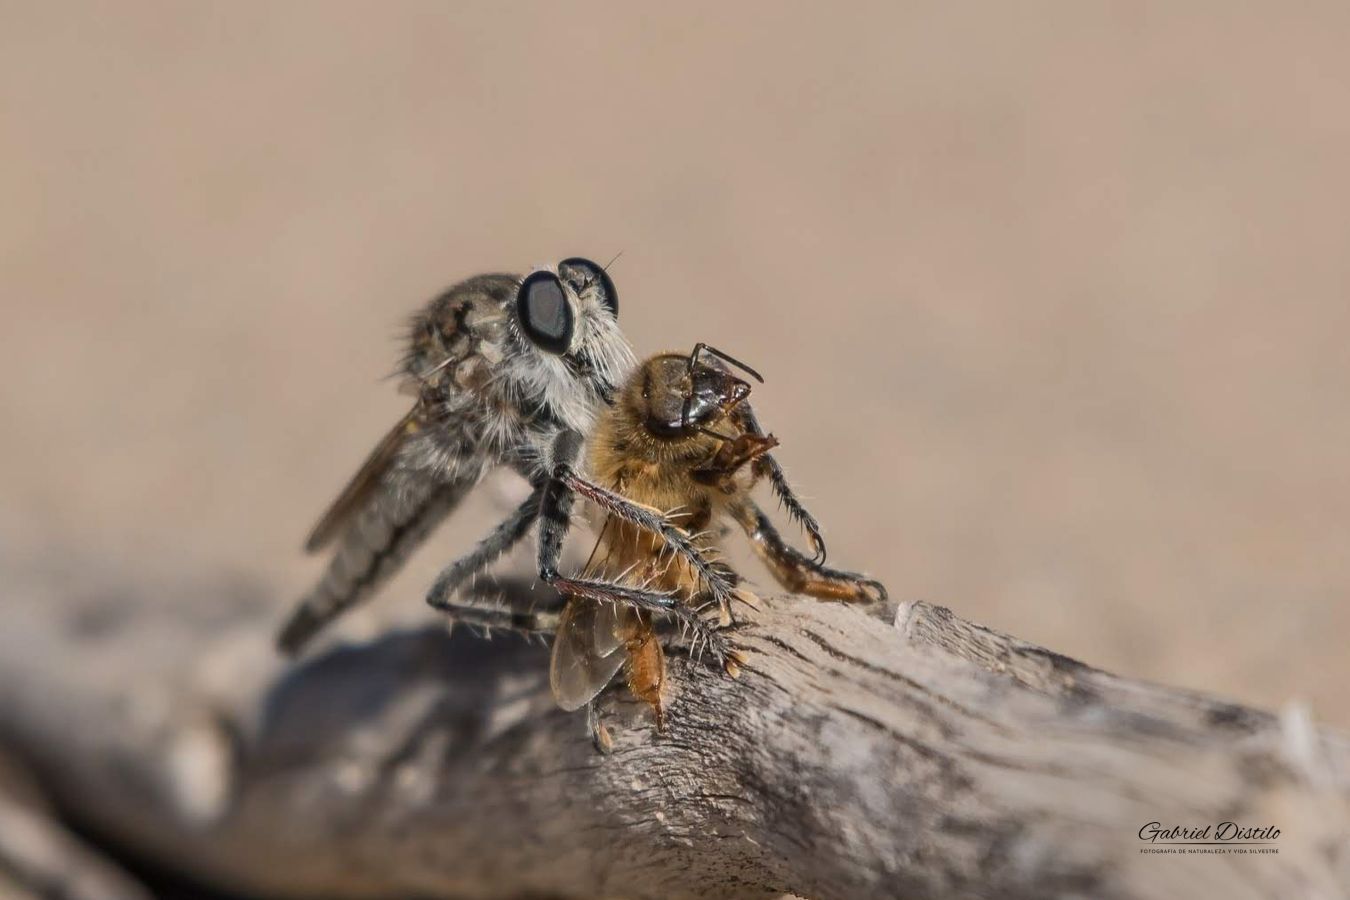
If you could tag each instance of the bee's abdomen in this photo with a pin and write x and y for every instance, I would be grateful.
(372, 549)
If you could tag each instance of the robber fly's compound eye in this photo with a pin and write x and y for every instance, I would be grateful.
(596, 275)
(544, 313)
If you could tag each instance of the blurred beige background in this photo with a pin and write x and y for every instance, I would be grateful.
(1051, 298)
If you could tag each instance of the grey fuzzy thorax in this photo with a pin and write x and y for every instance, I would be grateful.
(494, 398)
(486, 396)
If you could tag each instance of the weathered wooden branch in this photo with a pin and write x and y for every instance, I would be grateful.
(914, 755)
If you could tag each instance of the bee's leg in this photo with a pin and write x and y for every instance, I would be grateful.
(502, 539)
(600, 736)
(720, 471)
(767, 465)
(555, 511)
(794, 570)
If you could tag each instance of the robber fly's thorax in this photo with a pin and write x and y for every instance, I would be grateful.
(499, 367)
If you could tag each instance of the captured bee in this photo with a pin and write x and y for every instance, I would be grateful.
(680, 437)
(506, 371)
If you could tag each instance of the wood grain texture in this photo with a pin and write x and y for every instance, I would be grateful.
(908, 753)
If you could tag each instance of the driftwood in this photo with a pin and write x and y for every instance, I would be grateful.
(908, 755)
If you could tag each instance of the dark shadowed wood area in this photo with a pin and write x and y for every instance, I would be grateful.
(908, 754)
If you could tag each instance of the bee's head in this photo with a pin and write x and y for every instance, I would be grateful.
(569, 315)
(681, 396)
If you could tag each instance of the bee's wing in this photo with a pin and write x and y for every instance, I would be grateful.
(367, 478)
(585, 651)
(607, 624)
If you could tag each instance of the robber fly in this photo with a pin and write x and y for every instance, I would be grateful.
(505, 371)
(681, 437)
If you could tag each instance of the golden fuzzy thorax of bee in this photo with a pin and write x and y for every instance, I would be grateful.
(682, 441)
(678, 473)
(682, 438)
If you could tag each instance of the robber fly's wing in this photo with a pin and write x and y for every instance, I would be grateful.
(578, 670)
(367, 478)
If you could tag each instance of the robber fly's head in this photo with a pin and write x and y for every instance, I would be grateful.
(567, 318)
(684, 395)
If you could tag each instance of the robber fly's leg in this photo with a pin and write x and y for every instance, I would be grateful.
(502, 539)
(501, 613)
(703, 635)
(767, 465)
(720, 581)
(555, 512)
(794, 570)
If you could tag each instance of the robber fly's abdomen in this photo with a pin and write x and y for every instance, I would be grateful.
(442, 449)
(372, 549)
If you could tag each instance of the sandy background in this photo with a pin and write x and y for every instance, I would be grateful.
(1051, 298)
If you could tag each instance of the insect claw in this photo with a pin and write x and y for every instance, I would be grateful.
(748, 598)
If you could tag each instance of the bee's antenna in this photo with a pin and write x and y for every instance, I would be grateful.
(701, 347)
(612, 261)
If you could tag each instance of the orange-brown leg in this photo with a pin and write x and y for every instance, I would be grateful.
(797, 572)
(731, 456)
(647, 667)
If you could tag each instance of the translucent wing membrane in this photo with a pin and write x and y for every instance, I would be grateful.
(359, 489)
(586, 651)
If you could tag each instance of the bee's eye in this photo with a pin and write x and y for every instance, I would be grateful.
(598, 276)
(544, 313)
